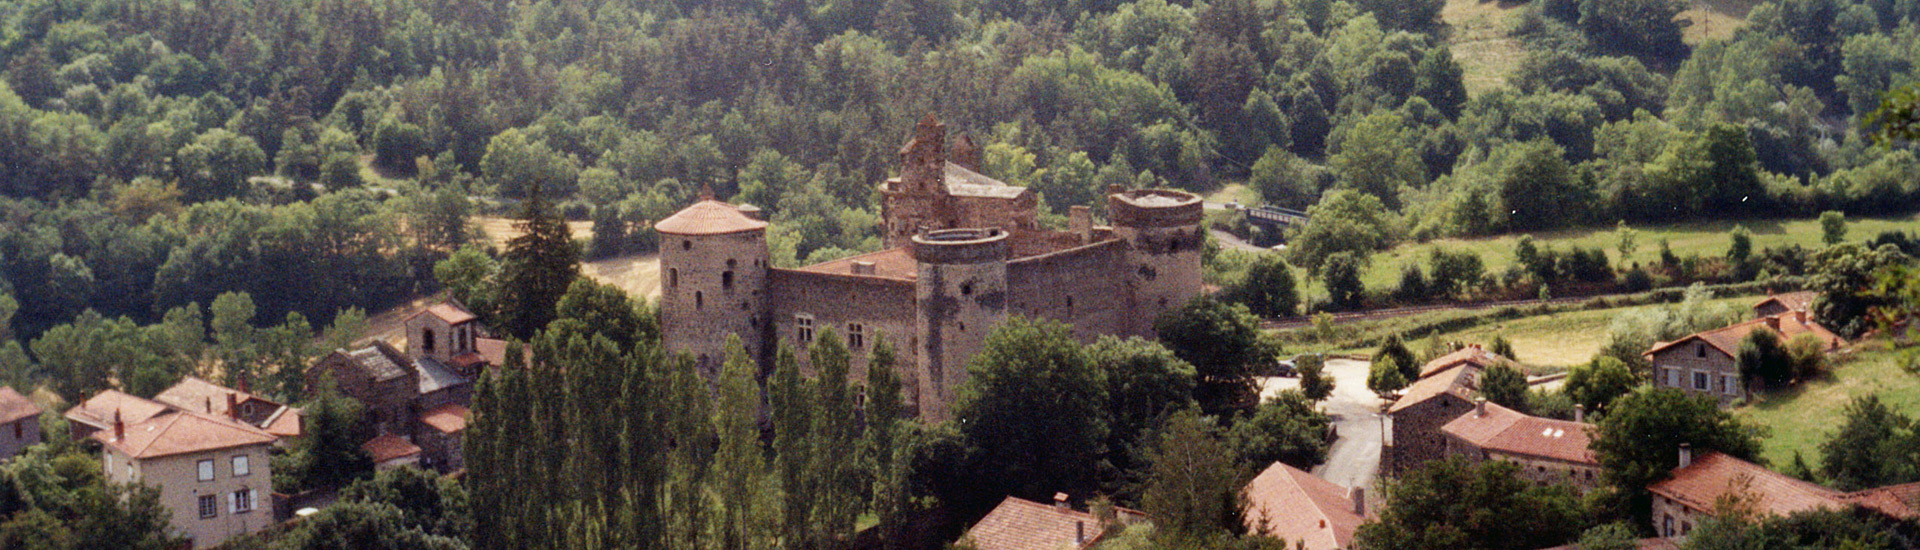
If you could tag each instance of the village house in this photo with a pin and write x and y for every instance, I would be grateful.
(99, 412)
(1692, 491)
(1021, 524)
(213, 472)
(1776, 304)
(1706, 363)
(196, 394)
(19, 423)
(965, 252)
(1546, 450)
(1305, 511)
(1444, 391)
(413, 398)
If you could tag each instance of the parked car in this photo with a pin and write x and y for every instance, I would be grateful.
(1285, 367)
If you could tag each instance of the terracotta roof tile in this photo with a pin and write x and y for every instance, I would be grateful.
(892, 263)
(1469, 355)
(1506, 430)
(451, 312)
(97, 411)
(180, 432)
(708, 217)
(1713, 474)
(494, 350)
(1793, 301)
(1297, 506)
(1020, 524)
(197, 394)
(447, 419)
(389, 447)
(14, 406)
(1899, 501)
(1457, 381)
(1656, 543)
(1727, 339)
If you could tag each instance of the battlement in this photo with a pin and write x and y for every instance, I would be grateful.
(1154, 208)
(960, 246)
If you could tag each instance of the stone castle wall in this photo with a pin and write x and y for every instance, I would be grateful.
(1086, 286)
(713, 286)
(877, 305)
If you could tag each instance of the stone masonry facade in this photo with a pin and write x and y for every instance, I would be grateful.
(964, 253)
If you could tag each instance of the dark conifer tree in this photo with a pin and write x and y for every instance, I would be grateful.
(538, 267)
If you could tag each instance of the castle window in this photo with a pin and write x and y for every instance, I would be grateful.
(673, 277)
(803, 328)
(966, 289)
(726, 279)
(426, 340)
(856, 336)
(699, 299)
(686, 245)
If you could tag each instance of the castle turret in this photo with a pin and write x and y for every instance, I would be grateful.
(713, 281)
(960, 295)
(1165, 239)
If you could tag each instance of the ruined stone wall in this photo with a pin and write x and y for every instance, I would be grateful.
(1016, 214)
(878, 305)
(1085, 286)
(713, 286)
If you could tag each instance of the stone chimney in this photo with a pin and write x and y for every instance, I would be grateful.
(964, 153)
(1060, 502)
(1080, 222)
(1579, 412)
(243, 385)
(1686, 454)
(1800, 316)
(752, 211)
(119, 428)
(1479, 406)
(862, 267)
(1773, 322)
(1079, 532)
(209, 404)
(233, 406)
(1359, 497)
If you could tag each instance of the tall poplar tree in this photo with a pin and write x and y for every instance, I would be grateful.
(884, 412)
(538, 267)
(791, 396)
(838, 494)
(739, 466)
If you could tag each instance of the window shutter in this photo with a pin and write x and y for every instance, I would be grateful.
(232, 506)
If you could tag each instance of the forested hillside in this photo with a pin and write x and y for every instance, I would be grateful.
(320, 154)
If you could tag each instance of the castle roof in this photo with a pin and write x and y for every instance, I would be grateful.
(708, 217)
(435, 376)
(1289, 503)
(892, 263)
(962, 182)
(380, 361)
(1508, 431)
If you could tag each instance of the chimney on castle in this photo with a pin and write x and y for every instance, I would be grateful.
(119, 427)
(1060, 502)
(1579, 412)
(233, 406)
(1479, 406)
(1080, 222)
(964, 153)
(1686, 455)
(1359, 497)
(1079, 532)
(923, 160)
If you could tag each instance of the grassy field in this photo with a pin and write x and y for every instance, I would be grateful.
(1701, 238)
(1561, 339)
(1800, 418)
(1480, 41)
(1715, 19)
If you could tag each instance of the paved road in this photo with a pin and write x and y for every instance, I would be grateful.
(1355, 456)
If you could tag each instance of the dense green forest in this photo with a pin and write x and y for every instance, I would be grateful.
(319, 154)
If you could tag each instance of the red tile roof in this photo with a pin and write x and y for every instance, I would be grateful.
(197, 394)
(1656, 543)
(97, 411)
(181, 432)
(1473, 355)
(1286, 502)
(1505, 430)
(1457, 381)
(708, 217)
(450, 418)
(1899, 501)
(892, 263)
(1727, 339)
(389, 447)
(449, 311)
(14, 406)
(494, 350)
(1713, 474)
(1020, 524)
(1793, 301)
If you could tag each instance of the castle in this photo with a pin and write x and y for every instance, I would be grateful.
(964, 252)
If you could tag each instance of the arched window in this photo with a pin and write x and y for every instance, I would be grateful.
(426, 340)
(673, 277)
(699, 299)
(726, 279)
(686, 245)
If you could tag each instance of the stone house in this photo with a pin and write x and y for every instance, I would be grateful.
(389, 451)
(408, 395)
(213, 472)
(1693, 489)
(1444, 391)
(1706, 363)
(1776, 304)
(196, 394)
(98, 413)
(1020, 524)
(965, 253)
(1546, 450)
(19, 423)
(1305, 511)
